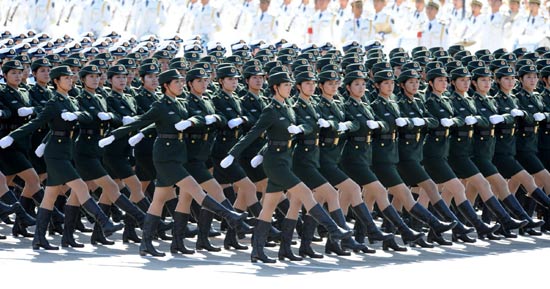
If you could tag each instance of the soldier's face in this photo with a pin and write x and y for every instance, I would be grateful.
(330, 87)
(507, 83)
(483, 85)
(118, 82)
(411, 86)
(385, 88)
(462, 84)
(431, 12)
(150, 81)
(284, 89)
(529, 81)
(357, 88)
(255, 82)
(42, 74)
(64, 83)
(26, 70)
(92, 81)
(357, 10)
(308, 87)
(323, 4)
(199, 85)
(14, 77)
(230, 84)
(439, 84)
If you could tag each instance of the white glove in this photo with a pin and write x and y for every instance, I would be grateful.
(294, 129)
(6, 141)
(127, 119)
(210, 119)
(235, 122)
(323, 123)
(106, 141)
(68, 116)
(417, 121)
(103, 116)
(539, 116)
(496, 118)
(516, 112)
(373, 124)
(470, 120)
(133, 141)
(183, 125)
(256, 161)
(227, 161)
(446, 122)
(25, 111)
(39, 151)
(400, 122)
(1, 113)
(342, 127)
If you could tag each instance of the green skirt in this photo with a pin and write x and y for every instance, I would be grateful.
(13, 161)
(89, 168)
(438, 169)
(530, 161)
(118, 166)
(485, 166)
(60, 172)
(387, 174)
(229, 175)
(463, 167)
(170, 173)
(507, 165)
(254, 174)
(412, 173)
(198, 171)
(145, 169)
(277, 167)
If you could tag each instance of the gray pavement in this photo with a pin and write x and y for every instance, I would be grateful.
(503, 264)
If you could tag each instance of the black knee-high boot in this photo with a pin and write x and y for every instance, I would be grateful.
(307, 237)
(335, 233)
(422, 214)
(407, 235)
(541, 198)
(56, 224)
(346, 243)
(234, 219)
(97, 233)
(482, 229)
(274, 234)
(514, 207)
(530, 205)
(22, 218)
(230, 239)
(134, 217)
(258, 241)
(503, 217)
(178, 234)
(42, 221)
(363, 216)
(150, 225)
(72, 213)
(285, 250)
(460, 232)
(204, 223)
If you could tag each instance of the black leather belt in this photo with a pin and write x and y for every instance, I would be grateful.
(308, 142)
(506, 131)
(528, 129)
(407, 136)
(195, 136)
(462, 133)
(170, 136)
(386, 136)
(439, 133)
(90, 132)
(486, 132)
(279, 142)
(329, 141)
(62, 133)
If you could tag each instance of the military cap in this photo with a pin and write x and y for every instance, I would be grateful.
(541, 63)
(482, 52)
(299, 62)
(43, 37)
(90, 52)
(523, 62)
(285, 59)
(239, 47)
(209, 59)
(453, 49)
(499, 52)
(434, 64)
(62, 70)
(534, 2)
(100, 44)
(334, 67)
(328, 75)
(396, 50)
(355, 66)
(467, 59)
(105, 56)
(422, 60)
(227, 71)
(408, 74)
(397, 61)
(100, 63)
(545, 72)
(305, 76)
(475, 64)
(383, 75)
(270, 65)
(376, 53)
(531, 55)
(169, 75)
(546, 55)
(12, 64)
(411, 65)
(278, 78)
(163, 54)
(196, 73)
(24, 59)
(253, 70)
(435, 49)
(436, 72)
(204, 65)
(477, 3)
(262, 58)
(22, 47)
(526, 69)
(505, 71)
(400, 54)
(79, 56)
(461, 54)
(118, 51)
(445, 59)
(487, 58)
(439, 54)
(350, 44)
(419, 48)
(270, 47)
(452, 65)
(116, 70)
(288, 51)
(380, 66)
(151, 68)
(42, 62)
(324, 61)
(128, 63)
(134, 55)
(509, 57)
(433, 5)
(72, 62)
(19, 37)
(5, 34)
(53, 58)
(353, 75)
(234, 59)
(375, 44)
(498, 63)
(191, 56)
(303, 68)
(224, 64)
(37, 52)
(252, 62)
(420, 53)
(481, 72)
(217, 54)
(519, 52)
(542, 50)
(460, 72)
(281, 68)
(265, 52)
(245, 55)
(143, 51)
(88, 69)
(215, 47)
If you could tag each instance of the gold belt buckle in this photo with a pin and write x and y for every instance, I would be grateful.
(71, 134)
(180, 136)
(317, 141)
(336, 140)
(470, 133)
(369, 138)
(236, 133)
(417, 136)
(513, 131)
(393, 136)
(205, 137)
(101, 132)
(288, 144)
(492, 132)
(446, 132)
(536, 130)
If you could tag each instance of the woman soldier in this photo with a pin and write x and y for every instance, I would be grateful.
(544, 140)
(484, 148)
(88, 160)
(386, 156)
(306, 163)
(277, 120)
(328, 121)
(62, 116)
(171, 118)
(14, 161)
(466, 119)
(230, 127)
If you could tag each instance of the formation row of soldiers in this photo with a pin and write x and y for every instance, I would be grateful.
(480, 24)
(280, 129)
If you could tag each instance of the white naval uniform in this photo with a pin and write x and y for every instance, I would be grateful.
(96, 16)
(434, 34)
(151, 17)
(302, 22)
(42, 16)
(389, 38)
(531, 31)
(495, 34)
(473, 31)
(412, 27)
(265, 27)
(323, 27)
(207, 23)
(358, 29)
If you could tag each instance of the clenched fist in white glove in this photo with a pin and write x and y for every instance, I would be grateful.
(25, 111)
(400, 122)
(6, 141)
(235, 122)
(446, 122)
(256, 161)
(417, 121)
(183, 125)
(496, 118)
(342, 127)
(106, 141)
(210, 119)
(68, 116)
(104, 116)
(39, 151)
(539, 116)
(133, 141)
(127, 119)
(469, 120)
(373, 124)
(294, 129)
(323, 123)
(227, 161)
(516, 112)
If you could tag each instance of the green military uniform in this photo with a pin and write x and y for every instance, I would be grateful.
(143, 151)
(39, 97)
(544, 133)
(274, 120)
